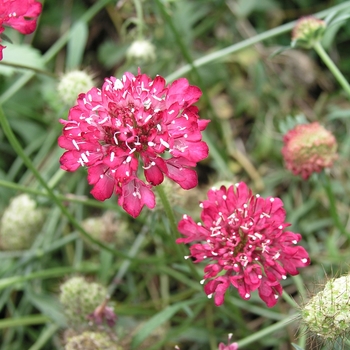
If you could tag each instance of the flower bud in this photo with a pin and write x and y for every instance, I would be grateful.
(72, 84)
(309, 148)
(109, 228)
(20, 223)
(307, 32)
(91, 341)
(80, 299)
(141, 52)
(328, 312)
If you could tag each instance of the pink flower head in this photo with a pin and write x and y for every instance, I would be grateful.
(232, 346)
(126, 127)
(20, 15)
(309, 148)
(243, 236)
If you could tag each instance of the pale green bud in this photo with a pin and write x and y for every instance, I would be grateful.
(80, 299)
(91, 341)
(20, 223)
(328, 312)
(72, 84)
(141, 52)
(109, 228)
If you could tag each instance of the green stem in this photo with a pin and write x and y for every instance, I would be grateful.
(23, 321)
(33, 69)
(19, 150)
(49, 273)
(332, 205)
(246, 43)
(68, 198)
(139, 13)
(332, 67)
(173, 228)
(266, 331)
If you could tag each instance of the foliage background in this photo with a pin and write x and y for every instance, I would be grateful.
(251, 98)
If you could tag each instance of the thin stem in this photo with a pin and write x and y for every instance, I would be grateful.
(266, 331)
(67, 198)
(45, 336)
(214, 56)
(332, 205)
(140, 23)
(23, 66)
(49, 273)
(19, 150)
(173, 228)
(332, 67)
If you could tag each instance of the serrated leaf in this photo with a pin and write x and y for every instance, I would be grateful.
(76, 45)
(22, 54)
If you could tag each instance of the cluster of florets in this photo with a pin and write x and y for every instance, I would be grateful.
(328, 312)
(85, 302)
(308, 31)
(20, 223)
(245, 239)
(127, 126)
(72, 84)
(91, 341)
(308, 149)
(20, 15)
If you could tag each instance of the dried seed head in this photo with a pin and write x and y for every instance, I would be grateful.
(79, 299)
(20, 223)
(91, 341)
(328, 312)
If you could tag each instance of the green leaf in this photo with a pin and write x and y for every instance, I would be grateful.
(297, 347)
(76, 45)
(157, 320)
(48, 305)
(22, 55)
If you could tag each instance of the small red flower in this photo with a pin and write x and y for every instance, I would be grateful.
(309, 148)
(20, 15)
(243, 236)
(127, 126)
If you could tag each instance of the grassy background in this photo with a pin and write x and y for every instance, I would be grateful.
(251, 99)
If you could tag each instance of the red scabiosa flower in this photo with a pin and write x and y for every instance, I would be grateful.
(229, 346)
(20, 15)
(243, 235)
(128, 126)
(309, 148)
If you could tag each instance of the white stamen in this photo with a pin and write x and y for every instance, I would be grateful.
(164, 143)
(75, 144)
(112, 156)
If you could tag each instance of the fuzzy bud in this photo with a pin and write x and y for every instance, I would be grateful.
(91, 341)
(141, 52)
(307, 32)
(72, 84)
(174, 193)
(80, 299)
(328, 312)
(109, 228)
(20, 223)
(309, 148)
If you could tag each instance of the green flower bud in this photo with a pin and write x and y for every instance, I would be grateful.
(141, 52)
(80, 299)
(72, 84)
(91, 341)
(328, 312)
(308, 31)
(20, 223)
(109, 228)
